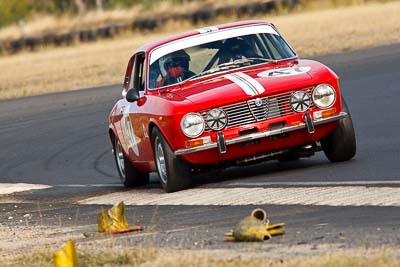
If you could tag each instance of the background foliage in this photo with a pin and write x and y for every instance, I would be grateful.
(12, 11)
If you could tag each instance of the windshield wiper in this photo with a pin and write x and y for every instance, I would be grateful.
(268, 60)
(228, 65)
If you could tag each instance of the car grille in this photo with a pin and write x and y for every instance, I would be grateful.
(273, 106)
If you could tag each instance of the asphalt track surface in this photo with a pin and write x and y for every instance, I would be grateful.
(61, 140)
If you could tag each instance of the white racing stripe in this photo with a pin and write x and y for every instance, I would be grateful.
(210, 36)
(320, 196)
(249, 85)
(260, 89)
(8, 188)
(247, 88)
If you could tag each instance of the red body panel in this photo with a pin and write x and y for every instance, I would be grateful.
(164, 109)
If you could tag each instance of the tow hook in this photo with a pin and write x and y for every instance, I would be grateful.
(221, 142)
(309, 123)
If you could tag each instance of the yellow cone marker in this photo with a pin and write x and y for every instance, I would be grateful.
(255, 227)
(114, 221)
(66, 257)
(275, 229)
(250, 229)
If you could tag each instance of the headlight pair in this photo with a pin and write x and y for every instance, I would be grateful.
(193, 124)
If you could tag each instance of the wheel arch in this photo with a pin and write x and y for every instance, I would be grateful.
(112, 134)
(153, 124)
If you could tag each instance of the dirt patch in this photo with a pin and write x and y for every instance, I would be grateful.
(34, 246)
(18, 240)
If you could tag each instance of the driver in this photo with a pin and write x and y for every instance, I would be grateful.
(176, 68)
(237, 48)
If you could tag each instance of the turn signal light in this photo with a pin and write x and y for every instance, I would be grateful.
(328, 112)
(324, 113)
(197, 142)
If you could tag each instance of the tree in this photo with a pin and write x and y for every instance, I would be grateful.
(80, 4)
(99, 5)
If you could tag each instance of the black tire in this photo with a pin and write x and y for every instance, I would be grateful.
(340, 144)
(175, 173)
(129, 174)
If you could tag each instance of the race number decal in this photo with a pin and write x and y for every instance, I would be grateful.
(284, 72)
(132, 138)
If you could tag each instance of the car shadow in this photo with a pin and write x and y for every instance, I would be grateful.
(314, 169)
(262, 172)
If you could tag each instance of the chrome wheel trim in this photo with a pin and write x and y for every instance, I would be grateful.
(160, 160)
(119, 156)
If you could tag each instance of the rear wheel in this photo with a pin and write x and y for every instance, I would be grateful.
(129, 174)
(340, 144)
(174, 172)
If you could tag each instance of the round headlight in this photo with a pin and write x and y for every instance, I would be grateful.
(216, 119)
(324, 96)
(192, 125)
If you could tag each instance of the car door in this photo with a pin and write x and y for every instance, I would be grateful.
(133, 117)
(122, 106)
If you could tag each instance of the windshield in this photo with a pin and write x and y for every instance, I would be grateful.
(218, 55)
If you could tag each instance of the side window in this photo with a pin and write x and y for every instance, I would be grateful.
(128, 74)
(138, 76)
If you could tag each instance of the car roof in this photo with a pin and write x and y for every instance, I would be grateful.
(150, 46)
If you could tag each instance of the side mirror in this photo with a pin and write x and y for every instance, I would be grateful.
(132, 95)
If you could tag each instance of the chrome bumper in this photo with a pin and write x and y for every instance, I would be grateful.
(259, 135)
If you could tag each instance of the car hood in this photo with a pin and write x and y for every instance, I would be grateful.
(248, 83)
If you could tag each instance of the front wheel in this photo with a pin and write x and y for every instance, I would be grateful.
(129, 174)
(340, 144)
(174, 172)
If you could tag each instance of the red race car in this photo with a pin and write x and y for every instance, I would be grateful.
(224, 96)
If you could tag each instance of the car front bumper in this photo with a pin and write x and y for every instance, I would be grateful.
(222, 143)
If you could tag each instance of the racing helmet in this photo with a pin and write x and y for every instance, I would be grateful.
(239, 47)
(173, 60)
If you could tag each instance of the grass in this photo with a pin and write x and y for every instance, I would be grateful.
(175, 258)
(102, 63)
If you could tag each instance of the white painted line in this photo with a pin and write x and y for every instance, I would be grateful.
(336, 183)
(119, 185)
(8, 188)
(320, 196)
